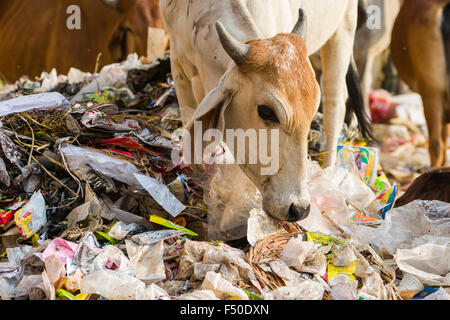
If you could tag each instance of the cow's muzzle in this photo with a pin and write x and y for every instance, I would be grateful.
(297, 213)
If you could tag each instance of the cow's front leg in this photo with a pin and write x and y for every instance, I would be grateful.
(336, 55)
(335, 62)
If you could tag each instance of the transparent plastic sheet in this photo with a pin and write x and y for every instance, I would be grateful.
(90, 208)
(307, 290)
(229, 207)
(404, 226)
(113, 285)
(151, 237)
(222, 288)
(41, 101)
(161, 194)
(120, 170)
(154, 292)
(305, 256)
(260, 225)
(198, 295)
(329, 189)
(56, 270)
(147, 260)
(232, 261)
(280, 268)
(428, 262)
(16, 254)
(343, 291)
(26, 283)
(120, 230)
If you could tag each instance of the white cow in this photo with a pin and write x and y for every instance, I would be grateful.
(236, 64)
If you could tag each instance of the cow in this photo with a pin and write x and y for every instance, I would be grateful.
(432, 185)
(372, 39)
(35, 36)
(421, 53)
(243, 64)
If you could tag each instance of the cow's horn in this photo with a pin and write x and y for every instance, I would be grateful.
(300, 27)
(111, 3)
(236, 49)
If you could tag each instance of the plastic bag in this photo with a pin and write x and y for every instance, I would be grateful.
(260, 225)
(120, 230)
(405, 224)
(26, 283)
(161, 194)
(32, 216)
(198, 295)
(307, 290)
(154, 292)
(428, 262)
(42, 101)
(229, 208)
(120, 170)
(151, 237)
(305, 256)
(221, 287)
(147, 260)
(113, 285)
(16, 254)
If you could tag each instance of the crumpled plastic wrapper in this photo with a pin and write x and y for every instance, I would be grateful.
(280, 268)
(232, 261)
(151, 237)
(113, 285)
(372, 283)
(25, 285)
(222, 288)
(120, 230)
(260, 225)
(307, 290)
(16, 254)
(90, 208)
(306, 256)
(9, 148)
(97, 119)
(154, 292)
(198, 295)
(201, 269)
(147, 260)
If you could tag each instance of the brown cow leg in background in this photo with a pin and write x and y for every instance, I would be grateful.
(433, 102)
(445, 130)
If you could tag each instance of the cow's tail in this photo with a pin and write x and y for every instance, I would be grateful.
(355, 102)
(445, 30)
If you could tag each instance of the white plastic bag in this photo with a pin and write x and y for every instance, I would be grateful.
(221, 287)
(113, 285)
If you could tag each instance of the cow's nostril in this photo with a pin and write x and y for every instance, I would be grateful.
(297, 213)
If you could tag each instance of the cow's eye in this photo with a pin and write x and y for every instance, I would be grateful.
(266, 113)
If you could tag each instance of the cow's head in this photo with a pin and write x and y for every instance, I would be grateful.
(270, 85)
(136, 17)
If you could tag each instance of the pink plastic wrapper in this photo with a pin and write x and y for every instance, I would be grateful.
(61, 248)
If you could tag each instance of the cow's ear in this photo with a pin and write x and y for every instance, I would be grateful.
(210, 114)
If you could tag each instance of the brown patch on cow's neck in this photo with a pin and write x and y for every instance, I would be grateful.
(282, 61)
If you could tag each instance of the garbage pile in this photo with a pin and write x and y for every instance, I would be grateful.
(94, 208)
